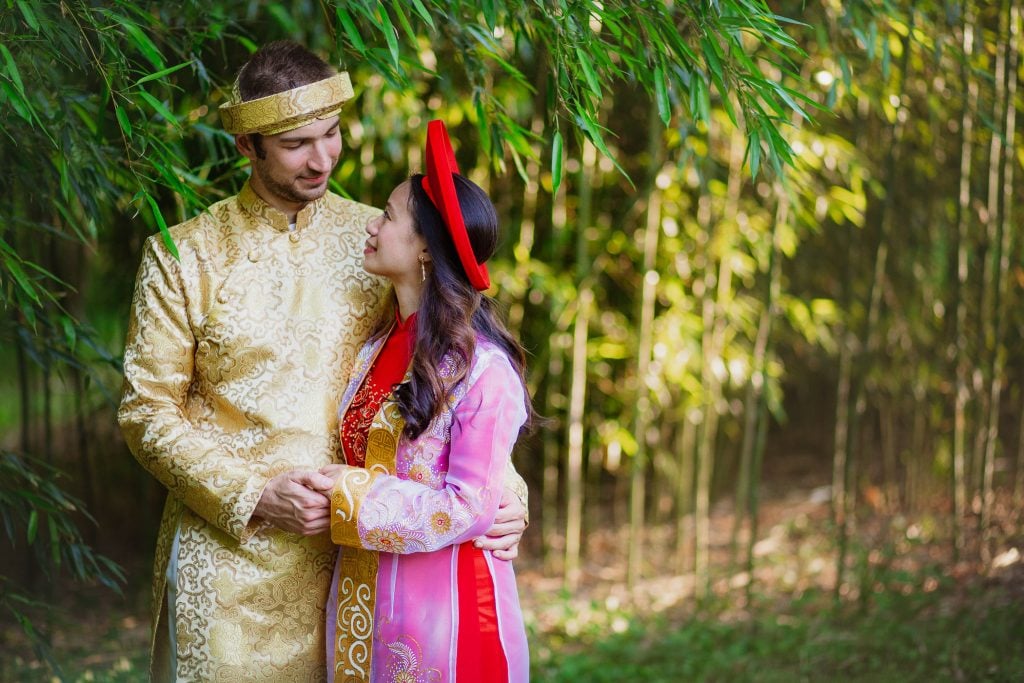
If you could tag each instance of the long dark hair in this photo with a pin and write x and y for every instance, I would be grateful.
(452, 312)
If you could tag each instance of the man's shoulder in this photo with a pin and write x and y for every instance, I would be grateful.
(349, 210)
(214, 218)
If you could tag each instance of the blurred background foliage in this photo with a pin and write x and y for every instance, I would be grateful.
(739, 239)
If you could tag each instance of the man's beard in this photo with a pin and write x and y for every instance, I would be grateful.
(288, 192)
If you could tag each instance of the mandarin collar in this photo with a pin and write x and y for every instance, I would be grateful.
(255, 205)
(406, 326)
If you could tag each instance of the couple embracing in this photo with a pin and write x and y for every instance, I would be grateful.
(331, 400)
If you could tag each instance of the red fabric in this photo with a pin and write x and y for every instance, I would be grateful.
(480, 656)
(439, 185)
(388, 370)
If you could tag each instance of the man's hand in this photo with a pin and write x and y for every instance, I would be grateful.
(503, 538)
(297, 501)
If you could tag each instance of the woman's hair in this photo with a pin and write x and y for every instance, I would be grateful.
(452, 312)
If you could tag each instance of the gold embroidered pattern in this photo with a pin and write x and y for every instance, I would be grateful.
(349, 491)
(286, 110)
(357, 584)
(234, 368)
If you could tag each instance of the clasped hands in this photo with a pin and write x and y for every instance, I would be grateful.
(299, 501)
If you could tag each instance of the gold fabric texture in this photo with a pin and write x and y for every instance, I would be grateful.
(287, 110)
(357, 585)
(235, 362)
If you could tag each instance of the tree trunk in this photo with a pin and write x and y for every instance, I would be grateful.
(1002, 243)
(756, 424)
(710, 384)
(686, 443)
(574, 469)
(960, 328)
(642, 423)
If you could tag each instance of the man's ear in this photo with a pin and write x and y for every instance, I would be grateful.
(243, 143)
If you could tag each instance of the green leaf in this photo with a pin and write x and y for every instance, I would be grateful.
(122, 120)
(556, 162)
(159, 107)
(12, 68)
(423, 12)
(33, 526)
(21, 277)
(17, 100)
(350, 29)
(404, 21)
(146, 46)
(30, 16)
(162, 73)
(390, 35)
(661, 96)
(164, 230)
(588, 72)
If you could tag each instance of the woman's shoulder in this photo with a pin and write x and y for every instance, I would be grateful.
(491, 360)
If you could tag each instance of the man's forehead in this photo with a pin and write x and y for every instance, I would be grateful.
(310, 130)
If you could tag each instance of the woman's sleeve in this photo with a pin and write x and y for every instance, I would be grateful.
(381, 512)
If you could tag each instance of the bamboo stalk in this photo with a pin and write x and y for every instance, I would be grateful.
(963, 218)
(709, 421)
(1003, 246)
(574, 468)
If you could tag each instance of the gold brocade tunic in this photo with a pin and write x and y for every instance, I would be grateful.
(235, 361)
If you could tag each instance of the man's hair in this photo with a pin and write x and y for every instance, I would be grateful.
(279, 66)
(276, 67)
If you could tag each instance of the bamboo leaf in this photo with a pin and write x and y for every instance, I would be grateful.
(12, 69)
(390, 35)
(588, 72)
(141, 41)
(159, 107)
(122, 120)
(33, 526)
(21, 277)
(350, 29)
(163, 72)
(556, 162)
(661, 96)
(404, 21)
(423, 12)
(18, 101)
(30, 16)
(164, 230)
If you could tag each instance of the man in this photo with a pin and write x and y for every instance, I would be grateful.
(235, 361)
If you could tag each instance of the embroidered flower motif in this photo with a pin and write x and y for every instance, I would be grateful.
(385, 541)
(440, 522)
(419, 474)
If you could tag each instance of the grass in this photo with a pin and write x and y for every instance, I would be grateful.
(926, 637)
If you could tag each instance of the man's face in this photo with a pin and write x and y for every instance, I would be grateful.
(296, 164)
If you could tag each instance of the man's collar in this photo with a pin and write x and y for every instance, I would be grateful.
(260, 209)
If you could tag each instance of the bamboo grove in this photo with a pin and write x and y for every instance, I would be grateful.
(732, 240)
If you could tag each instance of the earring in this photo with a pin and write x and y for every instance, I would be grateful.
(423, 269)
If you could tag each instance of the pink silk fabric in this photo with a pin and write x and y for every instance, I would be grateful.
(444, 491)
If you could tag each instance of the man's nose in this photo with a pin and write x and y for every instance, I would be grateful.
(320, 159)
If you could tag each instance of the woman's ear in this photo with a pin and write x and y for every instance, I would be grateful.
(424, 256)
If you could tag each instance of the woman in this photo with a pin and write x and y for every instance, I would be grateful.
(427, 424)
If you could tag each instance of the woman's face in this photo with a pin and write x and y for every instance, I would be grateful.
(393, 248)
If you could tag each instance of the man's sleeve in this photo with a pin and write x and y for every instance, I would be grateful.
(220, 486)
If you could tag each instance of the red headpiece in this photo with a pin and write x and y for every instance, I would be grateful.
(439, 185)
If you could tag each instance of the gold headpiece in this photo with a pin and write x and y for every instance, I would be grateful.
(286, 110)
